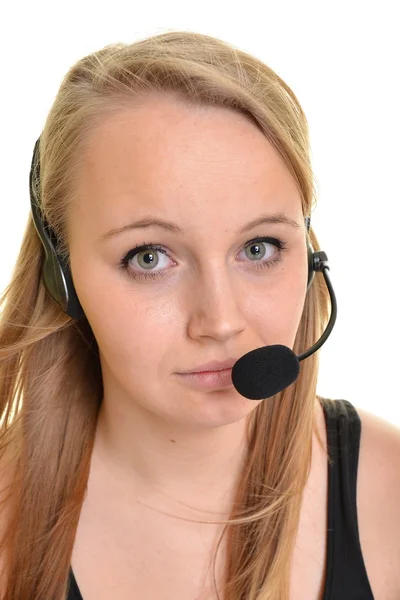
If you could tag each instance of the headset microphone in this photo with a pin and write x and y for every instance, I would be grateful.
(265, 371)
(257, 375)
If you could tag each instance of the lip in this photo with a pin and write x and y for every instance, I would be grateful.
(209, 380)
(212, 366)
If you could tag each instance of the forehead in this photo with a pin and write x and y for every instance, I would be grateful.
(178, 161)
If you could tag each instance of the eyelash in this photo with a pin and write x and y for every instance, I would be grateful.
(124, 262)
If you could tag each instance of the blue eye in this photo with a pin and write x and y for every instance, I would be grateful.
(147, 256)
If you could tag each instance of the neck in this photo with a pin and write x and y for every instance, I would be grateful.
(143, 453)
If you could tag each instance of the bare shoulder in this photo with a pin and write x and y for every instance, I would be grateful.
(378, 503)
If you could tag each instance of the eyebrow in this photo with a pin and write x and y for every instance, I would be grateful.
(149, 221)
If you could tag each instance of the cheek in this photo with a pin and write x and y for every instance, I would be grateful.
(292, 305)
(276, 319)
(133, 333)
(129, 326)
(274, 311)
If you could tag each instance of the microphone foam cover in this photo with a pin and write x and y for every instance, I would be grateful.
(265, 371)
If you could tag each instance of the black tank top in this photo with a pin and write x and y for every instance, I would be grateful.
(345, 577)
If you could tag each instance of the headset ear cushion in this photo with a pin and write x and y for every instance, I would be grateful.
(58, 282)
(54, 280)
(74, 308)
(311, 272)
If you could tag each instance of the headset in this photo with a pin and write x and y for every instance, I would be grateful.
(56, 274)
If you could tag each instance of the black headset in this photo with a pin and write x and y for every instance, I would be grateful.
(56, 273)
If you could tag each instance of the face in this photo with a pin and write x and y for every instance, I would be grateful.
(209, 291)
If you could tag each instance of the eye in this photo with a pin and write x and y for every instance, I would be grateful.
(146, 258)
(256, 250)
(146, 255)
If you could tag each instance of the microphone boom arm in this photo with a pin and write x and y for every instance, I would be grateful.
(320, 263)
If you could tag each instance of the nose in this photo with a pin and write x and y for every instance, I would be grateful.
(217, 307)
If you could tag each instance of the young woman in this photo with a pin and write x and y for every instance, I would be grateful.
(173, 182)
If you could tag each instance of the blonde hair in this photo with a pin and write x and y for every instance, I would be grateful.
(50, 376)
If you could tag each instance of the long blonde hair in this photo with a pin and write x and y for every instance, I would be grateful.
(50, 376)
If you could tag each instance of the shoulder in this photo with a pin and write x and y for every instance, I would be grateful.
(378, 503)
(379, 459)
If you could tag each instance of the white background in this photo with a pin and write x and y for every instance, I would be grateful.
(341, 60)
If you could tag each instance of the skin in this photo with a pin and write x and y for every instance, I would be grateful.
(210, 171)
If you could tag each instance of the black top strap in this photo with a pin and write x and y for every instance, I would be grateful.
(346, 576)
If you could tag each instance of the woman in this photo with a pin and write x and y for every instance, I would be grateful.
(123, 475)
